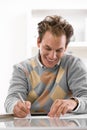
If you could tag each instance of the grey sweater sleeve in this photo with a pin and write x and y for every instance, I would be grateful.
(77, 80)
(18, 84)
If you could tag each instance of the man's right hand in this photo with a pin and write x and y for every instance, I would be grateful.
(22, 109)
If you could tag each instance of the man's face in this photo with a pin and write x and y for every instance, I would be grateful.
(52, 49)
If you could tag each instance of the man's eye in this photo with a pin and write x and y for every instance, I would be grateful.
(48, 49)
(61, 50)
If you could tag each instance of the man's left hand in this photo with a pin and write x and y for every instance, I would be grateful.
(61, 106)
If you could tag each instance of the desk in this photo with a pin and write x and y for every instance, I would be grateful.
(67, 122)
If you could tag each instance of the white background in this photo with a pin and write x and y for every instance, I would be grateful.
(16, 33)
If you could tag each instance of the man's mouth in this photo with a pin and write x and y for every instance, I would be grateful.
(51, 60)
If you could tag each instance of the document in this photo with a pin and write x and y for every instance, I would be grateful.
(73, 116)
(65, 116)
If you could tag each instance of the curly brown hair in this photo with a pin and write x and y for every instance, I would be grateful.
(57, 26)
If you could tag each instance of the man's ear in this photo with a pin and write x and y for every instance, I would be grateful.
(38, 42)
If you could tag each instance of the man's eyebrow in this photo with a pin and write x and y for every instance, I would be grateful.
(56, 49)
(48, 46)
(59, 48)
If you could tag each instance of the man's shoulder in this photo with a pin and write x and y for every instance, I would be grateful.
(69, 56)
(69, 59)
(26, 63)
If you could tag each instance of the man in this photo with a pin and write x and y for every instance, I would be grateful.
(53, 81)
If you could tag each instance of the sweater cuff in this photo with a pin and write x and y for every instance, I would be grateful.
(78, 104)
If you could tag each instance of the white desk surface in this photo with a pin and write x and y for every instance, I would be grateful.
(66, 122)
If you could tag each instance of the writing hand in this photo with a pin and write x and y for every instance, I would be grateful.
(22, 109)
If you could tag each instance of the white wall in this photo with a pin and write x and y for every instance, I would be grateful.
(16, 33)
(13, 41)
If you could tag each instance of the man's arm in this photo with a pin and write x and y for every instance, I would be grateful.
(18, 84)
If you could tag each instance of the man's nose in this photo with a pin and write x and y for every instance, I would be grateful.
(53, 55)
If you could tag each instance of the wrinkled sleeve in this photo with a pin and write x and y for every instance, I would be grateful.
(77, 81)
(18, 84)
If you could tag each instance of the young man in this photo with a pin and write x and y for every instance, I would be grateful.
(53, 81)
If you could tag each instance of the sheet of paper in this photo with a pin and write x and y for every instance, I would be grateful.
(72, 115)
(66, 116)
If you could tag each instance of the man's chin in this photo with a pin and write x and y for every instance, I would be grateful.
(49, 65)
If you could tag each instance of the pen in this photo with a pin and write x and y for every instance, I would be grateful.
(21, 98)
(23, 102)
